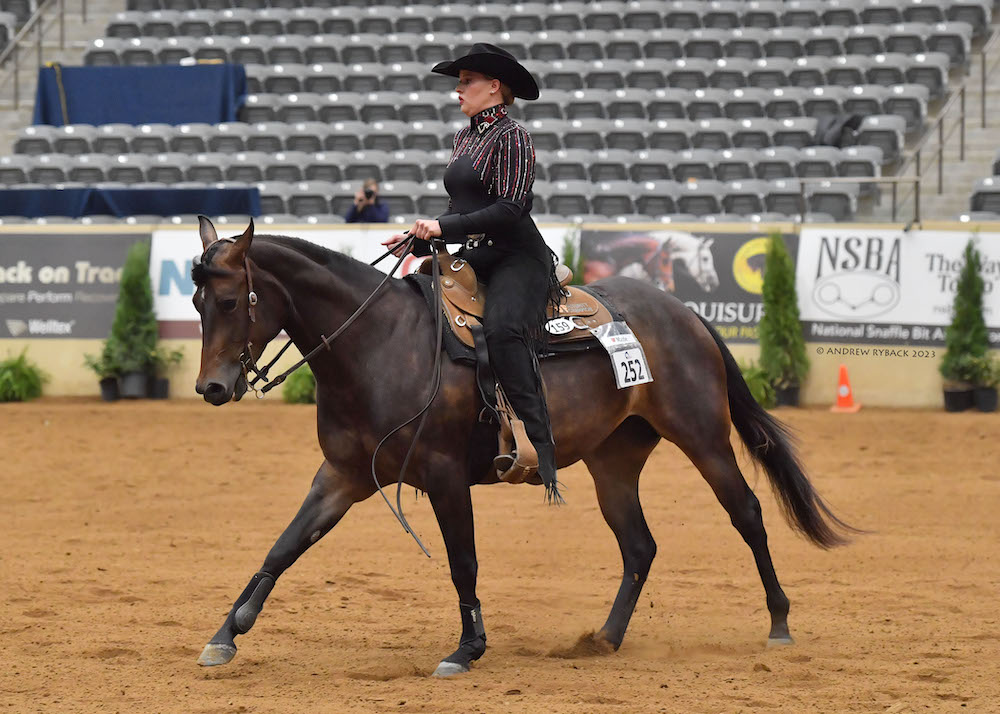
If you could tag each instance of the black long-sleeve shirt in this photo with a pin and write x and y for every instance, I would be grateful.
(489, 177)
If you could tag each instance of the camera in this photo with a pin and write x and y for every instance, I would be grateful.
(369, 193)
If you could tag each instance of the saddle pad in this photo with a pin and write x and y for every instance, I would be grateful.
(460, 350)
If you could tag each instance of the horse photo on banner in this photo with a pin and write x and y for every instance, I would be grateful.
(718, 275)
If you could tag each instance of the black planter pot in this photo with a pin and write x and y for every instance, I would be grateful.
(986, 399)
(109, 389)
(159, 388)
(134, 385)
(958, 400)
(787, 396)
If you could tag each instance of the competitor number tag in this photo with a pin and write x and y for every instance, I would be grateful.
(627, 356)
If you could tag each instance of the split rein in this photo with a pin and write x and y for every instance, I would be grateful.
(249, 364)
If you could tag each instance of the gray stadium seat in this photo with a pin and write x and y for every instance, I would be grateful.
(735, 164)
(627, 134)
(730, 73)
(284, 49)
(657, 198)
(839, 200)
(926, 11)
(14, 169)
(310, 198)
(907, 38)
(671, 134)
(861, 161)
(817, 162)
(753, 133)
(886, 132)
(112, 139)
(784, 196)
(47, 169)
(746, 103)
(274, 196)
(776, 162)
(124, 25)
(694, 164)
(953, 39)
(700, 197)
(104, 52)
(643, 15)
(400, 195)
(825, 41)
(865, 99)
(785, 42)
(260, 108)
(881, 12)
(689, 73)
(978, 13)
(706, 103)
(306, 136)
(795, 132)
(683, 15)
(770, 72)
(324, 166)
(129, 169)
(569, 197)
(866, 40)
(821, 101)
(175, 49)
(713, 134)
(785, 102)
(849, 71)
(908, 101)
(886, 69)
(610, 165)
(651, 166)
(931, 70)
(743, 197)
(746, 42)
(167, 168)
(73, 139)
(705, 43)
(246, 167)
(299, 107)
(207, 168)
(802, 13)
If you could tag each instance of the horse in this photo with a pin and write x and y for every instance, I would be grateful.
(379, 371)
(652, 259)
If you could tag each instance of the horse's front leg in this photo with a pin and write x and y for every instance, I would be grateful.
(452, 505)
(330, 496)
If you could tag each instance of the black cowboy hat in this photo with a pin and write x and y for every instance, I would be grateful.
(496, 63)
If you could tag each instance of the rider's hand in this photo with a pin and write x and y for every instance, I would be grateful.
(396, 243)
(425, 229)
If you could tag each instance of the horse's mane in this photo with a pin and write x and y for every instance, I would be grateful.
(330, 259)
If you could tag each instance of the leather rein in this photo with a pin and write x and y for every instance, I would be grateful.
(249, 364)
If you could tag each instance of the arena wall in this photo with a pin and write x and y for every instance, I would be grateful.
(900, 374)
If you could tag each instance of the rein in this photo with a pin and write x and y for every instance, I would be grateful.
(250, 365)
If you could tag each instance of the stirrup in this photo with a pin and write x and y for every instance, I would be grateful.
(518, 459)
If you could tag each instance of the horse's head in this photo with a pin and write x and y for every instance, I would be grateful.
(234, 329)
(696, 255)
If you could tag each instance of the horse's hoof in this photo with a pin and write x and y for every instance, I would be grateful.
(780, 641)
(216, 654)
(450, 669)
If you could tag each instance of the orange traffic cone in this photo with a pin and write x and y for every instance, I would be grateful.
(845, 397)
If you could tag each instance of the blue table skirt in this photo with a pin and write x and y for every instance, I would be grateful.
(162, 94)
(121, 202)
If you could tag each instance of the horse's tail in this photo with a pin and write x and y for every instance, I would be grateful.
(771, 445)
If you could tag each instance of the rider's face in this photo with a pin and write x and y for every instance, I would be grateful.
(476, 92)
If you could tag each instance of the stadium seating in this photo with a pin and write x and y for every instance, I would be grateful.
(712, 103)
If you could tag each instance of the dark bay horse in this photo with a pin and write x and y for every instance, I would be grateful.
(379, 372)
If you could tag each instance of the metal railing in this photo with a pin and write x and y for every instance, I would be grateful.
(894, 180)
(36, 27)
(942, 133)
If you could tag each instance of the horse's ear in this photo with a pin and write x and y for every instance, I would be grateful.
(207, 232)
(708, 243)
(240, 246)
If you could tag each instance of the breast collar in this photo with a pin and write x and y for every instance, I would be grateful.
(482, 121)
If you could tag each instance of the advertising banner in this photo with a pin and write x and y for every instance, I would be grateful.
(718, 275)
(866, 286)
(57, 285)
(173, 251)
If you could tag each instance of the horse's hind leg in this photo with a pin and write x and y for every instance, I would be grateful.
(719, 467)
(328, 500)
(615, 467)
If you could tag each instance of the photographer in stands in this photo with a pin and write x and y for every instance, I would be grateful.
(368, 208)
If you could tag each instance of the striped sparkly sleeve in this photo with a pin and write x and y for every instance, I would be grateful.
(513, 166)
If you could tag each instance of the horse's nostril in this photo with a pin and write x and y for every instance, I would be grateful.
(213, 389)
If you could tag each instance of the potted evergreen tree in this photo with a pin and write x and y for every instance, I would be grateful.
(107, 369)
(987, 377)
(966, 339)
(162, 360)
(782, 346)
(134, 330)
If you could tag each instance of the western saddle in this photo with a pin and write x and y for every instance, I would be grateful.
(463, 298)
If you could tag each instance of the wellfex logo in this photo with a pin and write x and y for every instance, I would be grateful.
(857, 277)
(42, 328)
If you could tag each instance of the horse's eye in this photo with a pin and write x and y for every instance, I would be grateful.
(227, 305)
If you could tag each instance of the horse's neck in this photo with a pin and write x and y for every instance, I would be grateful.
(321, 297)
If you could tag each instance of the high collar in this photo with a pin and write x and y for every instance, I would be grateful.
(481, 122)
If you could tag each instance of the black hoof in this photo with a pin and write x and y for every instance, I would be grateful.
(460, 661)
